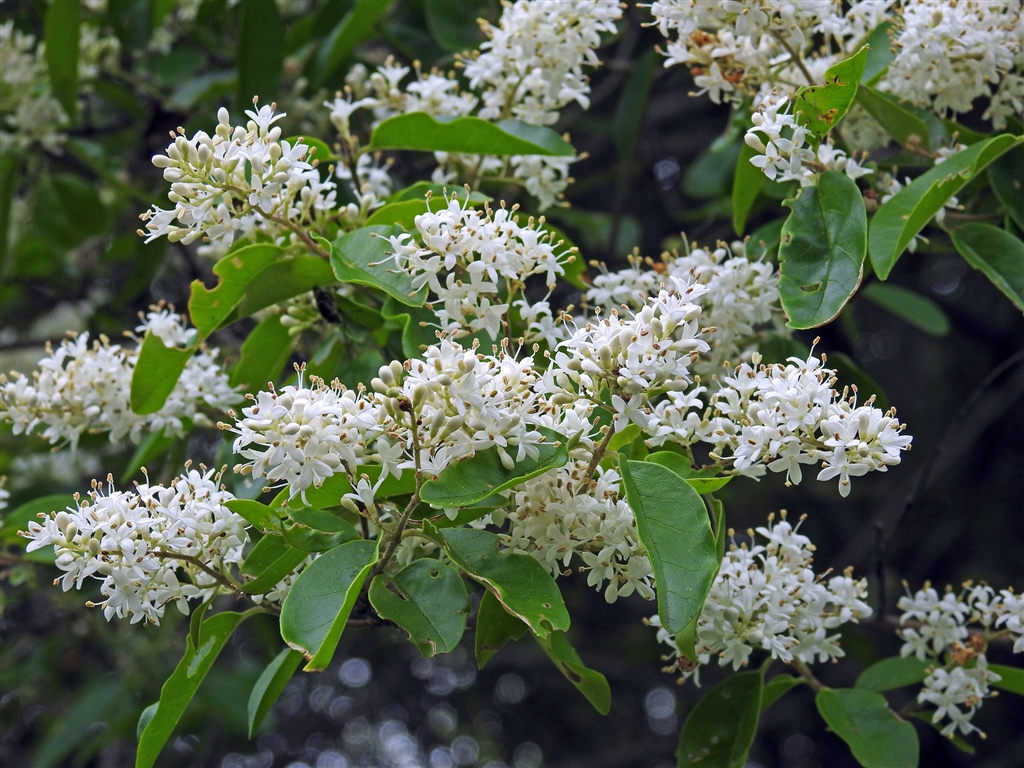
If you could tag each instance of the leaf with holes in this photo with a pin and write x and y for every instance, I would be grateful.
(821, 107)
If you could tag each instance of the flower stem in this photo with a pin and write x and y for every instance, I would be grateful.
(806, 674)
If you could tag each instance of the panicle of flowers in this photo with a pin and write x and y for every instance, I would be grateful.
(148, 547)
(937, 628)
(240, 181)
(767, 596)
(86, 387)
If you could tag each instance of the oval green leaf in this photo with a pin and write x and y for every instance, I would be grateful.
(875, 735)
(265, 353)
(1012, 678)
(1006, 175)
(894, 672)
(156, 374)
(746, 183)
(269, 686)
(364, 257)
(471, 135)
(720, 729)
(778, 687)
(702, 481)
(494, 627)
(63, 24)
(995, 252)
(821, 107)
(282, 280)
(270, 561)
(209, 308)
(921, 312)
(259, 515)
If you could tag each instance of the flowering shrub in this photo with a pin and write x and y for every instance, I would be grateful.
(434, 415)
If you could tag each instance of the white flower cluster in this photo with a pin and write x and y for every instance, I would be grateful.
(82, 387)
(767, 596)
(741, 299)
(950, 53)
(933, 626)
(141, 543)
(4, 493)
(239, 181)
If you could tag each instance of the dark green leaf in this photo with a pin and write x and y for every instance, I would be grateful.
(364, 257)
(702, 481)
(210, 308)
(850, 374)
(418, 191)
(94, 705)
(181, 686)
(350, 31)
(19, 517)
(68, 209)
(282, 280)
(270, 561)
(156, 373)
(203, 88)
(630, 111)
(63, 22)
(591, 684)
(317, 531)
(494, 627)
(824, 242)
(822, 106)
(403, 213)
(266, 550)
(160, 10)
(894, 672)
(875, 735)
(720, 729)
(1006, 175)
(1012, 678)
(922, 313)
(778, 687)
(521, 584)
(144, 718)
(318, 150)
(468, 481)
(471, 135)
(265, 353)
(995, 252)
(269, 686)
(765, 240)
(955, 739)
(881, 53)
(319, 602)
(711, 174)
(259, 515)
(910, 126)
(746, 183)
(155, 444)
(778, 349)
(898, 221)
(429, 602)
(454, 25)
(417, 333)
(674, 528)
(260, 52)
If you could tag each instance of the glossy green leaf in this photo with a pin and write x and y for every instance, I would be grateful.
(995, 252)
(314, 530)
(721, 727)
(880, 53)
(821, 107)
(265, 353)
(894, 672)
(1012, 678)
(181, 686)
(898, 221)
(63, 23)
(1006, 175)
(746, 184)
(875, 735)
(429, 602)
(494, 627)
(321, 598)
(364, 257)
(260, 52)
(901, 120)
(263, 554)
(778, 687)
(402, 213)
(339, 43)
(269, 686)
(469, 481)
(259, 515)
(210, 308)
(270, 561)
(282, 280)
(674, 528)
(156, 373)
(592, 684)
(824, 242)
(471, 135)
(630, 111)
(921, 312)
(702, 481)
(19, 517)
(521, 584)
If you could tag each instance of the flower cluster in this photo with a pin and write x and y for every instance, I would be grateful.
(239, 181)
(140, 543)
(767, 596)
(82, 387)
(933, 627)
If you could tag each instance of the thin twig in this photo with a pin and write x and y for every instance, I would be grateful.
(797, 58)
(806, 674)
(599, 454)
(223, 578)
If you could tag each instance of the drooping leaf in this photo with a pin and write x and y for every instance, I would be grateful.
(521, 584)
(269, 686)
(259, 515)
(592, 684)
(429, 602)
(265, 353)
(260, 52)
(471, 135)
(364, 257)
(778, 687)
(349, 32)
(469, 481)
(319, 602)
(894, 672)
(875, 735)
(995, 252)
(822, 106)
(156, 373)
(746, 183)
(1006, 175)
(721, 727)
(1012, 678)
(910, 126)
(674, 528)
(181, 686)
(702, 481)
(494, 627)
(209, 308)
(824, 242)
(63, 23)
(921, 312)
(898, 221)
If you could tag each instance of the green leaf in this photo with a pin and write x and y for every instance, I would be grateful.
(470, 135)
(592, 684)
(68, 209)
(154, 445)
(1012, 678)
(720, 729)
(210, 308)
(880, 55)
(259, 515)
(317, 531)
(98, 702)
(270, 561)
(364, 257)
(746, 183)
(824, 242)
(894, 672)
(1006, 175)
(922, 313)
(282, 280)
(260, 52)
(702, 481)
(156, 373)
(468, 481)
(778, 687)
(875, 735)
(910, 126)
(995, 252)
(454, 25)
(765, 240)
(350, 31)
(269, 686)
(956, 739)
(144, 718)
(318, 150)
(318, 604)
(429, 602)
(402, 213)
(711, 174)
(521, 584)
(674, 527)
(63, 23)
(898, 221)
(822, 106)
(494, 627)
(850, 374)
(195, 624)
(181, 686)
(265, 352)
(630, 111)
(418, 191)
(19, 517)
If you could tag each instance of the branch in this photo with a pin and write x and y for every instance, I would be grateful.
(806, 674)
(224, 579)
